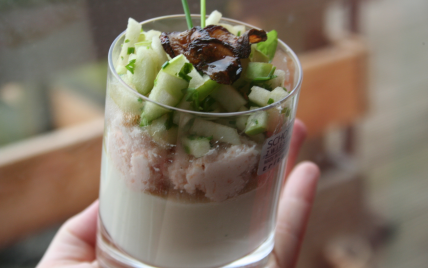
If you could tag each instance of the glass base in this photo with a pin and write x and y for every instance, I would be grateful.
(109, 256)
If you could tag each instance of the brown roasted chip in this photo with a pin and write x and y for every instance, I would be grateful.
(213, 50)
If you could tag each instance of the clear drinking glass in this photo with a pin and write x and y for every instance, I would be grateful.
(160, 207)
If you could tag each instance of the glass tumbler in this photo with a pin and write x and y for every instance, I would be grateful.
(162, 207)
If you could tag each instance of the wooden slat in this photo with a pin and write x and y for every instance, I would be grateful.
(46, 179)
(334, 85)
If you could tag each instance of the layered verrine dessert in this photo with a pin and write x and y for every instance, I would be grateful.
(197, 128)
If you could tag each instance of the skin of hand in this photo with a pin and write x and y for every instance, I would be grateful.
(74, 244)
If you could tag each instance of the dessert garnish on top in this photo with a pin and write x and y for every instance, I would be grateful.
(213, 50)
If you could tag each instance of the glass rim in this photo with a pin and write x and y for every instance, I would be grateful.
(293, 92)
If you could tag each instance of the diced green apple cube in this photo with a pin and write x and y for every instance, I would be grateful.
(174, 66)
(241, 121)
(278, 80)
(214, 18)
(146, 43)
(172, 84)
(161, 132)
(259, 96)
(120, 69)
(168, 91)
(141, 37)
(207, 87)
(196, 80)
(196, 146)
(160, 52)
(275, 120)
(131, 37)
(144, 71)
(152, 33)
(152, 111)
(239, 30)
(219, 132)
(228, 97)
(125, 99)
(258, 70)
(256, 123)
(203, 84)
(278, 94)
(228, 27)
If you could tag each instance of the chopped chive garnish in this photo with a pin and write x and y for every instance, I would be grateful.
(185, 76)
(257, 122)
(210, 137)
(270, 101)
(207, 103)
(127, 41)
(131, 50)
(187, 67)
(185, 70)
(203, 13)
(266, 78)
(285, 89)
(140, 100)
(187, 12)
(165, 64)
(169, 122)
(195, 98)
(131, 66)
(121, 57)
(239, 33)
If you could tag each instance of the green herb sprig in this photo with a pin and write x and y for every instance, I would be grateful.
(269, 77)
(268, 47)
(193, 96)
(185, 70)
(131, 66)
(187, 12)
(203, 13)
(131, 50)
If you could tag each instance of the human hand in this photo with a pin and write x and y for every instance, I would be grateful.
(74, 244)
(295, 204)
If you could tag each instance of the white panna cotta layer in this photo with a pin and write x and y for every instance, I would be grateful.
(168, 233)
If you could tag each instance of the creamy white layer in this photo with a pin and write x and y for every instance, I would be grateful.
(164, 232)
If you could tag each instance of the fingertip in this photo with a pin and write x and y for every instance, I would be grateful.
(303, 181)
(299, 135)
(84, 224)
(300, 127)
(311, 169)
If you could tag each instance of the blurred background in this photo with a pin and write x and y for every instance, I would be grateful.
(364, 99)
